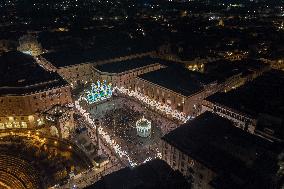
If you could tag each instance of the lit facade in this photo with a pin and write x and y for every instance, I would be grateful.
(189, 105)
(27, 91)
(24, 111)
(196, 173)
(77, 74)
(240, 120)
(211, 153)
(255, 107)
(125, 78)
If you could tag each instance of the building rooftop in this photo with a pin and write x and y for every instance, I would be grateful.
(224, 69)
(178, 79)
(78, 56)
(227, 150)
(151, 175)
(20, 74)
(264, 95)
(126, 65)
(259, 99)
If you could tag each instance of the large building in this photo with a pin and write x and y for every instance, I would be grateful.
(256, 106)
(232, 74)
(177, 87)
(212, 153)
(76, 66)
(123, 73)
(27, 90)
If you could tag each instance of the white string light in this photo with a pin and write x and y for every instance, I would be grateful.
(145, 99)
(154, 104)
(118, 150)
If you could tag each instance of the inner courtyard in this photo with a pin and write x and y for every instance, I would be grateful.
(119, 116)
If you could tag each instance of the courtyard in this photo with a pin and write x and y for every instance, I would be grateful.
(118, 117)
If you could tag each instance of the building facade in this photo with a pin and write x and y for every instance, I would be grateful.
(80, 69)
(187, 101)
(252, 107)
(125, 78)
(211, 153)
(198, 175)
(23, 111)
(27, 91)
(240, 120)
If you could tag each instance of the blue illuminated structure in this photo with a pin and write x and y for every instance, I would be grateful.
(99, 91)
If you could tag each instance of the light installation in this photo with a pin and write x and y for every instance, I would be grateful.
(143, 127)
(164, 108)
(99, 91)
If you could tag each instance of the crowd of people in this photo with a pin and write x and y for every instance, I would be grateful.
(120, 117)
